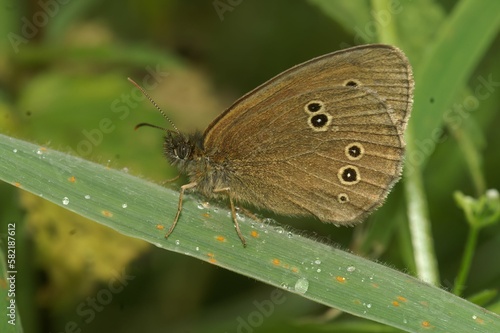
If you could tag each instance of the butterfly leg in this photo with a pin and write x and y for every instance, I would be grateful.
(170, 180)
(179, 207)
(233, 213)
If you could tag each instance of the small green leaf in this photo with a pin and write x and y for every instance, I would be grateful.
(480, 212)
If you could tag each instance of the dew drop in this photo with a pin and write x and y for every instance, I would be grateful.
(368, 306)
(279, 230)
(284, 285)
(317, 262)
(177, 242)
(301, 285)
(351, 269)
(65, 201)
(14, 150)
(289, 234)
(197, 248)
(474, 317)
(124, 205)
(267, 221)
(87, 196)
(318, 270)
(39, 152)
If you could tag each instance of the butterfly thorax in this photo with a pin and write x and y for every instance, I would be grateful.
(187, 153)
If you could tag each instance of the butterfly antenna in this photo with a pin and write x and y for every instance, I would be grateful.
(156, 106)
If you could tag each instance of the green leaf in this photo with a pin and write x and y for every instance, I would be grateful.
(317, 271)
(446, 68)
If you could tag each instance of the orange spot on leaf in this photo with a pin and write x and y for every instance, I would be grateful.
(340, 279)
(221, 239)
(402, 299)
(254, 234)
(426, 324)
(160, 227)
(107, 213)
(276, 262)
(211, 258)
(17, 184)
(395, 303)
(72, 179)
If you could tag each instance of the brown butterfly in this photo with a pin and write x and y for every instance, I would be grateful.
(324, 139)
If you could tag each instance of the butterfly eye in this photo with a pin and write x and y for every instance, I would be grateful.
(182, 151)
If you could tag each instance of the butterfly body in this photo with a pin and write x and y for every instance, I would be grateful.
(186, 152)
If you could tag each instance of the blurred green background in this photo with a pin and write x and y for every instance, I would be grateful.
(63, 70)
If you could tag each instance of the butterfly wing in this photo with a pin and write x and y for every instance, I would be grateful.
(324, 138)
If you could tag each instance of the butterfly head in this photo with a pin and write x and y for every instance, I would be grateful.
(181, 149)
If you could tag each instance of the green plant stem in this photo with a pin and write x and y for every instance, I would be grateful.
(386, 33)
(418, 218)
(473, 161)
(472, 158)
(463, 273)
